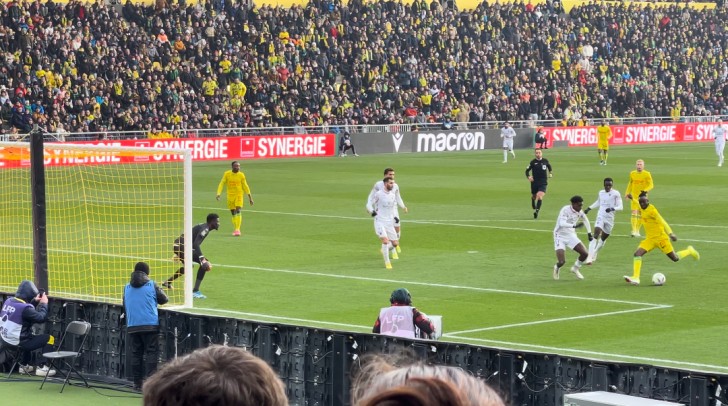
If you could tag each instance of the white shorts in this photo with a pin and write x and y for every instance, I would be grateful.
(385, 230)
(508, 143)
(606, 223)
(563, 241)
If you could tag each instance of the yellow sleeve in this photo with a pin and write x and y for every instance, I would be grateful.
(662, 221)
(629, 186)
(649, 185)
(222, 183)
(246, 188)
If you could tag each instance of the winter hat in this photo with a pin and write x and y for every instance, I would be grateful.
(141, 267)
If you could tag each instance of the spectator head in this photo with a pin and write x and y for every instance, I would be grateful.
(426, 391)
(142, 267)
(395, 380)
(216, 375)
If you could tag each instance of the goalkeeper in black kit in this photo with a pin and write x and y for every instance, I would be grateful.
(538, 172)
(199, 233)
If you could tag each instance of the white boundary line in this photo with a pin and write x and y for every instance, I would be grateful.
(606, 356)
(533, 323)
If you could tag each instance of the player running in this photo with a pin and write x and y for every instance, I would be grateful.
(383, 208)
(658, 234)
(538, 172)
(608, 202)
(640, 181)
(389, 172)
(570, 218)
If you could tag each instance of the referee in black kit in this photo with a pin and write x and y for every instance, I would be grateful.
(538, 173)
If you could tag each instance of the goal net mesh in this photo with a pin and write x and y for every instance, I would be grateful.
(106, 210)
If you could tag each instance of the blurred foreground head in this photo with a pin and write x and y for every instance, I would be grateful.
(216, 375)
(393, 380)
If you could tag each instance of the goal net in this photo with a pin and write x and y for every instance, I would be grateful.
(107, 208)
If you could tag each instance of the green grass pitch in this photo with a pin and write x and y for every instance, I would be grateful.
(472, 252)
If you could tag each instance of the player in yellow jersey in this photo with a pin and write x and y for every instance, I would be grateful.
(604, 133)
(658, 234)
(640, 181)
(237, 186)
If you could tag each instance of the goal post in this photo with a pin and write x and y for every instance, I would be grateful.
(106, 208)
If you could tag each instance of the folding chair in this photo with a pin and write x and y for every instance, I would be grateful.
(14, 352)
(78, 329)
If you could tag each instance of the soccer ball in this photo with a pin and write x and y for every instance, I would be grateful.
(658, 279)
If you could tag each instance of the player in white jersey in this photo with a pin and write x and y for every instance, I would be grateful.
(609, 201)
(570, 218)
(389, 172)
(507, 134)
(383, 208)
(720, 135)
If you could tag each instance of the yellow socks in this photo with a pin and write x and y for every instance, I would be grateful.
(683, 253)
(636, 222)
(237, 221)
(636, 267)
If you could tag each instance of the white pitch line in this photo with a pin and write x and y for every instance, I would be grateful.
(458, 223)
(533, 323)
(443, 285)
(605, 355)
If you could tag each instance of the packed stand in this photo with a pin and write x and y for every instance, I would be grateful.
(80, 67)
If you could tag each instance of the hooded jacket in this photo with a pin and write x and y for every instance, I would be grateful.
(141, 297)
(18, 329)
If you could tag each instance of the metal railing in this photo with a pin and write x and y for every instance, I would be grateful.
(338, 129)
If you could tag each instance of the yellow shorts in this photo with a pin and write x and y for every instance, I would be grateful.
(234, 202)
(635, 203)
(603, 146)
(663, 244)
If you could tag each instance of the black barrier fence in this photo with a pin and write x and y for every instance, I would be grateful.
(315, 364)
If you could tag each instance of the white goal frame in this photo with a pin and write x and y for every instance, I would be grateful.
(186, 157)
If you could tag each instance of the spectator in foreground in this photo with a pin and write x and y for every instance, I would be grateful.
(216, 375)
(381, 381)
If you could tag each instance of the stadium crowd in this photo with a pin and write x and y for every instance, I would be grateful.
(76, 66)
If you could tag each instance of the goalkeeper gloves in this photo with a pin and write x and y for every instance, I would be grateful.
(590, 236)
(396, 220)
(609, 210)
(587, 210)
(374, 213)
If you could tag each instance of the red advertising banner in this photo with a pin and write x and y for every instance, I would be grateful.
(634, 134)
(203, 149)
